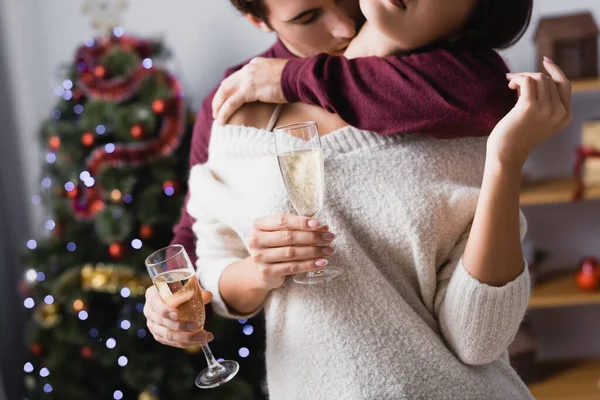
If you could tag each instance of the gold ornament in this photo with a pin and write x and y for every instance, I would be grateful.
(112, 278)
(47, 315)
(105, 14)
(146, 395)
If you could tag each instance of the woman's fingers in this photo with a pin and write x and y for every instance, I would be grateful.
(527, 89)
(179, 339)
(292, 268)
(291, 253)
(287, 222)
(564, 85)
(291, 238)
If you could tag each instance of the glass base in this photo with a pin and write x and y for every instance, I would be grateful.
(208, 379)
(321, 276)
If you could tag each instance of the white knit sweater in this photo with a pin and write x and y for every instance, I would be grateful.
(406, 320)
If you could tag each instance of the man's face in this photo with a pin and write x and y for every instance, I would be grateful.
(309, 27)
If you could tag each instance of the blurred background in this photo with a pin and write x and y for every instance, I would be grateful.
(557, 351)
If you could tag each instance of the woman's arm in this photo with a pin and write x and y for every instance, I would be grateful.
(482, 296)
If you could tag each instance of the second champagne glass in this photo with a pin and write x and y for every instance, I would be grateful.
(173, 275)
(300, 157)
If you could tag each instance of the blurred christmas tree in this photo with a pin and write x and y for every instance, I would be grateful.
(114, 182)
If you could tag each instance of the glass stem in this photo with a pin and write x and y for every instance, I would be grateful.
(214, 367)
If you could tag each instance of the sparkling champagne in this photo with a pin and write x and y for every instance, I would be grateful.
(180, 289)
(303, 175)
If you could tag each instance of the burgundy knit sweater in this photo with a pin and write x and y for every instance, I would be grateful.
(446, 92)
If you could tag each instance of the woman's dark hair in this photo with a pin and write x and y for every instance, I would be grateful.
(497, 24)
(252, 7)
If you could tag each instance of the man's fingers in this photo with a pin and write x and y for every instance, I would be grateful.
(229, 107)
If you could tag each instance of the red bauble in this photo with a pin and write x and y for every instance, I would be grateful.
(116, 250)
(87, 353)
(588, 276)
(73, 193)
(137, 131)
(54, 143)
(36, 349)
(87, 78)
(77, 95)
(100, 71)
(146, 231)
(87, 139)
(171, 184)
(158, 106)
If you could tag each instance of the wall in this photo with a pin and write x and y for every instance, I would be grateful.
(208, 35)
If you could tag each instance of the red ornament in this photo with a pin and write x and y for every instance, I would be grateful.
(588, 276)
(71, 194)
(54, 143)
(87, 139)
(158, 106)
(36, 349)
(77, 95)
(146, 231)
(87, 78)
(116, 250)
(137, 131)
(87, 353)
(170, 184)
(100, 71)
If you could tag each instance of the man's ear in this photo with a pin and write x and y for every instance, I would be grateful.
(259, 23)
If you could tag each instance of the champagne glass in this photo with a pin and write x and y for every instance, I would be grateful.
(173, 275)
(300, 157)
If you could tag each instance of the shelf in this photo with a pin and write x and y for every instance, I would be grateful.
(578, 382)
(561, 291)
(585, 85)
(554, 191)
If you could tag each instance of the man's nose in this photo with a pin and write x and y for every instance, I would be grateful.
(341, 25)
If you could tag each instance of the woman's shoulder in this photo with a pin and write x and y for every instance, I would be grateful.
(256, 115)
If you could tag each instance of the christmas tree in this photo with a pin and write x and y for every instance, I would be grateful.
(113, 184)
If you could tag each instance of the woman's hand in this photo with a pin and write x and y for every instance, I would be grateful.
(543, 108)
(285, 245)
(260, 80)
(164, 324)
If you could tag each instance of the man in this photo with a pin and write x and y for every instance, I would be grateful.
(304, 28)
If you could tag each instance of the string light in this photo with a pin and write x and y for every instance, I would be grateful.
(68, 84)
(31, 275)
(71, 246)
(111, 343)
(50, 158)
(69, 186)
(123, 361)
(118, 31)
(242, 321)
(100, 129)
(125, 325)
(44, 372)
(40, 276)
(55, 114)
(68, 95)
(125, 292)
(59, 91)
(139, 307)
(109, 148)
(29, 303)
(83, 315)
(50, 224)
(169, 190)
(47, 388)
(244, 352)
(89, 182)
(90, 42)
(117, 395)
(127, 198)
(248, 330)
(78, 305)
(28, 368)
(49, 299)
(94, 332)
(46, 182)
(147, 63)
(136, 244)
(84, 175)
(141, 333)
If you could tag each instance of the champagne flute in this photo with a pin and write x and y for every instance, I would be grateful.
(175, 279)
(300, 157)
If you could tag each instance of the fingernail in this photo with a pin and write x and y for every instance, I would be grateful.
(313, 223)
(328, 236)
(548, 59)
(201, 337)
(321, 263)
(192, 327)
(328, 251)
(211, 337)
(174, 316)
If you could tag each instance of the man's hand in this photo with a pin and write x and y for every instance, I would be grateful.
(260, 80)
